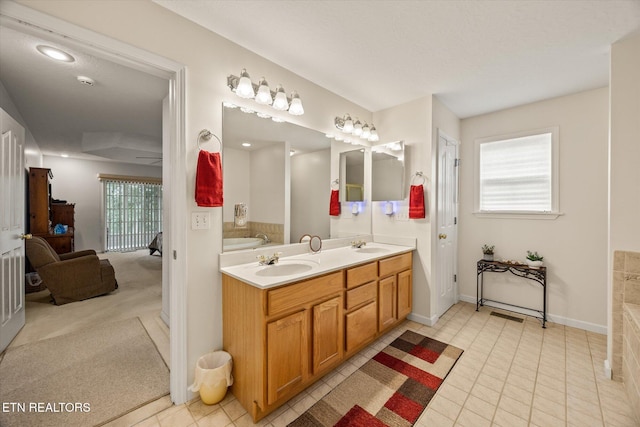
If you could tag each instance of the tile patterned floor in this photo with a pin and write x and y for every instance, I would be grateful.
(511, 374)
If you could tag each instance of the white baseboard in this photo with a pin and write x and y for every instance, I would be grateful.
(587, 326)
(429, 321)
(607, 369)
(165, 318)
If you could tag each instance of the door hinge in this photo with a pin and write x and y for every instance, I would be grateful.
(455, 277)
(456, 162)
(455, 220)
(175, 254)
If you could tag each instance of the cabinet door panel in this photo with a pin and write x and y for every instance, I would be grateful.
(404, 294)
(287, 354)
(327, 334)
(387, 314)
(361, 326)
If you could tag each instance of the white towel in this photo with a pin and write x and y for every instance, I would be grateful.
(240, 215)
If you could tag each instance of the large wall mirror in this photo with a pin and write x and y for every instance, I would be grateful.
(387, 171)
(276, 181)
(352, 176)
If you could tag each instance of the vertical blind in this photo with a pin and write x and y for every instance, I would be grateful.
(515, 174)
(133, 213)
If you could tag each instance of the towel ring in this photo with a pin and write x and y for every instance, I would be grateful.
(335, 183)
(418, 175)
(206, 135)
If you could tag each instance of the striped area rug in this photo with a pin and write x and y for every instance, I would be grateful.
(391, 389)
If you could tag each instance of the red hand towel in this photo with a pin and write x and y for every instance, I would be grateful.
(209, 179)
(334, 204)
(416, 202)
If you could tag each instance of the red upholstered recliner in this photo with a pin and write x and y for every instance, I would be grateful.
(70, 277)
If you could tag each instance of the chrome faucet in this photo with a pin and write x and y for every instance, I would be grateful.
(264, 237)
(357, 244)
(269, 260)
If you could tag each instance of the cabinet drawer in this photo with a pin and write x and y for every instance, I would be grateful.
(287, 297)
(363, 274)
(361, 294)
(395, 264)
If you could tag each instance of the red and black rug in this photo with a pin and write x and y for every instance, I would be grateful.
(391, 389)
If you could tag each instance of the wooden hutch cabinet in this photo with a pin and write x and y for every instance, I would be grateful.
(44, 215)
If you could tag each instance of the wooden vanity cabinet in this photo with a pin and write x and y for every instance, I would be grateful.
(285, 338)
(394, 290)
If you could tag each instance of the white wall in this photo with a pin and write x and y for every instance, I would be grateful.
(310, 178)
(625, 145)
(76, 181)
(574, 244)
(411, 122)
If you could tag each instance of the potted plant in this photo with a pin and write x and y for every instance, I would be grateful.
(534, 260)
(487, 252)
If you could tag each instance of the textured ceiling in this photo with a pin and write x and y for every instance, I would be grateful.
(476, 56)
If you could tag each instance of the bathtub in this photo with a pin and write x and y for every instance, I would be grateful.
(233, 244)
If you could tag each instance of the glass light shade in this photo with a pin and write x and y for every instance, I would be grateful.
(348, 124)
(264, 93)
(374, 134)
(280, 102)
(366, 132)
(245, 87)
(357, 128)
(295, 108)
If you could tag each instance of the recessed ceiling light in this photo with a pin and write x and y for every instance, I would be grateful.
(246, 144)
(64, 155)
(53, 53)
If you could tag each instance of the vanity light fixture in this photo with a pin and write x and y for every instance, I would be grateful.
(354, 127)
(262, 94)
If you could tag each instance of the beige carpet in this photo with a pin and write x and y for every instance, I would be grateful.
(84, 378)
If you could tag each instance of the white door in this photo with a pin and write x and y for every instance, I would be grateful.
(447, 222)
(12, 191)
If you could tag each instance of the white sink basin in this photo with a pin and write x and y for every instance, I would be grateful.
(372, 250)
(287, 269)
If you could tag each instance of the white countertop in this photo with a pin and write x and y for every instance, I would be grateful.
(298, 267)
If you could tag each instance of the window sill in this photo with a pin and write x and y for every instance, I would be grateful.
(517, 215)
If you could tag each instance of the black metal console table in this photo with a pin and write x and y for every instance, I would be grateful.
(537, 274)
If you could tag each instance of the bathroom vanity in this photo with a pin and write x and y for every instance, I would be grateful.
(288, 324)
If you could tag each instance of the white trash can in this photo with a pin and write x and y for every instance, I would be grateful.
(213, 376)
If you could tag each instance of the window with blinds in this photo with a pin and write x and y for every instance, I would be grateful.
(133, 213)
(517, 174)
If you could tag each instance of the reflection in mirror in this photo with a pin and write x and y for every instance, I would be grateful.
(280, 173)
(387, 171)
(352, 176)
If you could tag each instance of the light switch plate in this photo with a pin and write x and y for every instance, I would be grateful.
(200, 220)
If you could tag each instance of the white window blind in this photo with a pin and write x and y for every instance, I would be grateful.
(515, 175)
(133, 213)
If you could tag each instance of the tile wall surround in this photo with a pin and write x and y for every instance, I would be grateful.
(631, 355)
(626, 290)
(275, 232)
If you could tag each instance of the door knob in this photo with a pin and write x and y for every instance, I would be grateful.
(27, 236)
(442, 236)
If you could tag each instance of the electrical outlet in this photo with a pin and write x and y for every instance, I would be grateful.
(199, 220)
